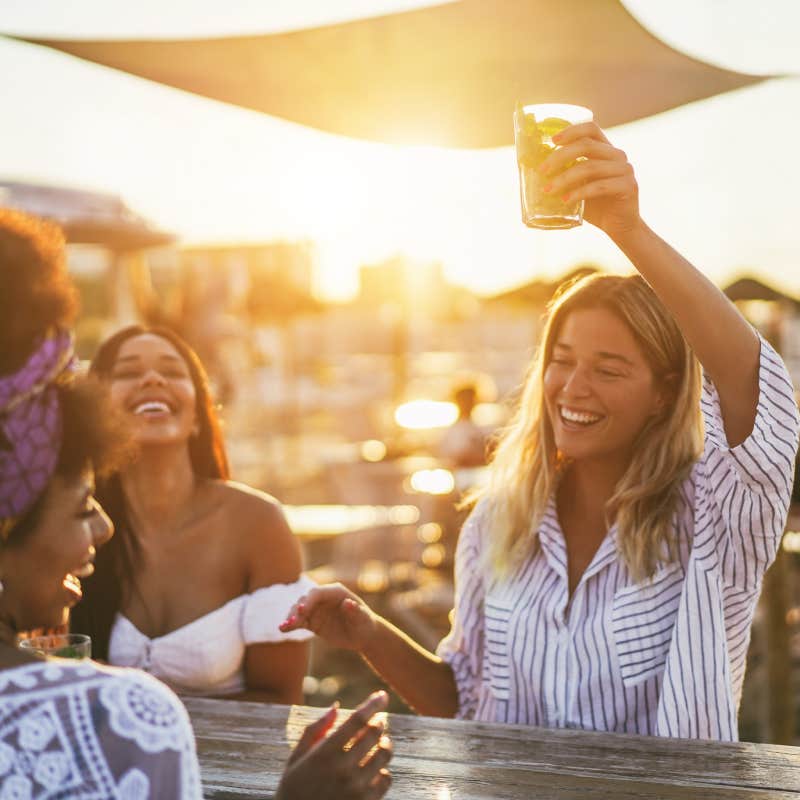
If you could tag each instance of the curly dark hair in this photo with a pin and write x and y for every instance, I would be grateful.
(35, 290)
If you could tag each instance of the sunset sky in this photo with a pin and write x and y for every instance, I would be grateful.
(718, 178)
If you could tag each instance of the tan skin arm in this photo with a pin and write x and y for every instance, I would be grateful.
(723, 341)
(273, 671)
(422, 679)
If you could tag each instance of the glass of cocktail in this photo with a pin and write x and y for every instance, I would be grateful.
(62, 645)
(534, 128)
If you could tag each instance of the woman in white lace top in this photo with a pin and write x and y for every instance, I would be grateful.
(193, 585)
(74, 728)
(67, 728)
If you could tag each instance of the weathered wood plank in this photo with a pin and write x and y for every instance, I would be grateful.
(243, 747)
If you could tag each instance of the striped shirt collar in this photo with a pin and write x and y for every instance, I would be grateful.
(554, 545)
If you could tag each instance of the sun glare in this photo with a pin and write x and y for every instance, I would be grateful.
(426, 414)
(433, 481)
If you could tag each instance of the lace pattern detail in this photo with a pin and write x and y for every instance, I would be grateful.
(83, 731)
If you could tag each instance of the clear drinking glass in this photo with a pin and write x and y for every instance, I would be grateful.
(534, 128)
(63, 645)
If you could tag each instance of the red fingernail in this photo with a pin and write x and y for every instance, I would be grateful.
(556, 137)
(547, 187)
(565, 198)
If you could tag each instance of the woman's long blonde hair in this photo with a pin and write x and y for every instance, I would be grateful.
(526, 464)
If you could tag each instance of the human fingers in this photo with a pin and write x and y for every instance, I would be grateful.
(314, 732)
(292, 620)
(586, 172)
(377, 760)
(621, 188)
(582, 130)
(364, 741)
(377, 701)
(361, 781)
(563, 157)
(379, 786)
(301, 613)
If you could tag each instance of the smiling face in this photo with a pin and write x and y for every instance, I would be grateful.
(599, 389)
(41, 572)
(152, 384)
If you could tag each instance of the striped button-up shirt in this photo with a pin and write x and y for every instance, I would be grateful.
(663, 657)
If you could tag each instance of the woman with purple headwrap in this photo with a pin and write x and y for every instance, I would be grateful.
(74, 728)
(66, 727)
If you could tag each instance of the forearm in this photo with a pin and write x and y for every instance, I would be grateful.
(422, 679)
(723, 341)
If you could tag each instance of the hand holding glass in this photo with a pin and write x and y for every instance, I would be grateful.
(534, 128)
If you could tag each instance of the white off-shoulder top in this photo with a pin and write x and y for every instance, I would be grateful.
(206, 656)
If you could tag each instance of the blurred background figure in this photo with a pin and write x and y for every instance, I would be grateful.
(464, 443)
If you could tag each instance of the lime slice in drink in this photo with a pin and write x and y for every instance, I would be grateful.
(552, 125)
(68, 652)
(535, 156)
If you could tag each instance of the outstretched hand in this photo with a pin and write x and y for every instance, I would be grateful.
(586, 166)
(336, 614)
(349, 764)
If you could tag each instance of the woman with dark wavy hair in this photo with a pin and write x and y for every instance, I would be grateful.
(192, 587)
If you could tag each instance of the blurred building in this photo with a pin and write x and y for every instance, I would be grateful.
(107, 246)
(415, 288)
(775, 314)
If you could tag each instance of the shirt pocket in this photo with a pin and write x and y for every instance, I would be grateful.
(643, 618)
(497, 666)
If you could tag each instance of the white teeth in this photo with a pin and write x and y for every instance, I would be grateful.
(581, 417)
(151, 407)
(72, 580)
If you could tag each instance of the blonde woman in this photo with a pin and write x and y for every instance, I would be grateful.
(608, 576)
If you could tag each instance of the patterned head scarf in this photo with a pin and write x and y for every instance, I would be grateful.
(30, 426)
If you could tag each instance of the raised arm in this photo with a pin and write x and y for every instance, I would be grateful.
(726, 345)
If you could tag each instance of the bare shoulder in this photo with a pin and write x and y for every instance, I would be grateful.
(241, 499)
(259, 526)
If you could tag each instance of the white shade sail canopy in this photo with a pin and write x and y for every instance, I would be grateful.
(447, 75)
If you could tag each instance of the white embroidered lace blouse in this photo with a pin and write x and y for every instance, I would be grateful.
(80, 730)
(206, 656)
